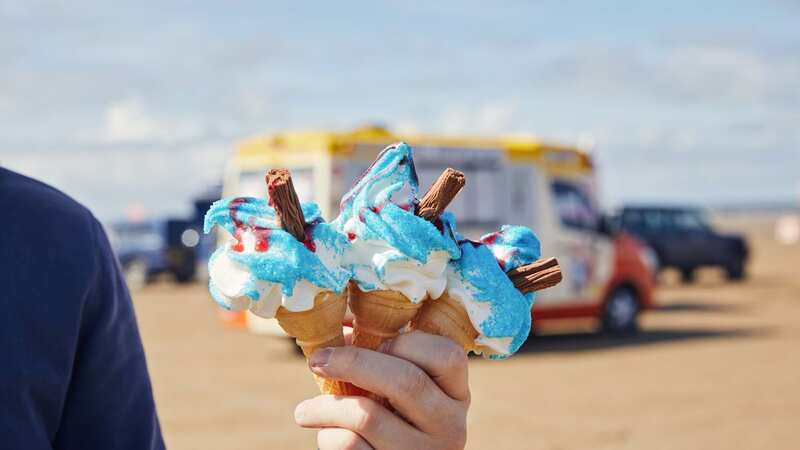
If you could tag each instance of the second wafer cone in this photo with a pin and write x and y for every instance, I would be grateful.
(446, 317)
(379, 315)
(319, 327)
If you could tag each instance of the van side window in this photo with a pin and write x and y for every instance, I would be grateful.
(573, 205)
(484, 203)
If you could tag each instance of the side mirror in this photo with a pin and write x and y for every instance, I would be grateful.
(606, 225)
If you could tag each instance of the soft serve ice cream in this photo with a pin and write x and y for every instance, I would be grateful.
(392, 249)
(499, 312)
(262, 267)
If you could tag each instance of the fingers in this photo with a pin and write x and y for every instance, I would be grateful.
(443, 360)
(372, 422)
(407, 387)
(340, 439)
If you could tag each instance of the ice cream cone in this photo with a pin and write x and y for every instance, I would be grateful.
(379, 315)
(319, 327)
(446, 317)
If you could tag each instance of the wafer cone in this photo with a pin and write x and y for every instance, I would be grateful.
(319, 327)
(446, 317)
(379, 315)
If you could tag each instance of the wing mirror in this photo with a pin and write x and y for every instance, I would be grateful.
(606, 225)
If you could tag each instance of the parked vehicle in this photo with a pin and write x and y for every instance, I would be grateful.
(149, 248)
(682, 238)
(549, 187)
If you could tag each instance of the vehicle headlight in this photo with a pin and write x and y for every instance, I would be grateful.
(190, 238)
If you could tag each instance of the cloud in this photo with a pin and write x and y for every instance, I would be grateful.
(150, 92)
(126, 121)
(489, 118)
(711, 72)
(162, 179)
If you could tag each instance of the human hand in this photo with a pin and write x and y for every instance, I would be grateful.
(424, 378)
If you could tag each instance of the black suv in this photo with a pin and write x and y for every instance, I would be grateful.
(681, 238)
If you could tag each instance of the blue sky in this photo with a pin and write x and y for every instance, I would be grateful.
(140, 103)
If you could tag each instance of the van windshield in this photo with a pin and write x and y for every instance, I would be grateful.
(574, 207)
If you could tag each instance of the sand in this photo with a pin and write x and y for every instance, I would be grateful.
(717, 366)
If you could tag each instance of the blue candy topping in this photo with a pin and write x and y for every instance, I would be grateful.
(514, 246)
(369, 212)
(509, 310)
(278, 256)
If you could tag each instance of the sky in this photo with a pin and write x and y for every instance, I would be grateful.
(124, 104)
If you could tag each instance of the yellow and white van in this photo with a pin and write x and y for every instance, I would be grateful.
(548, 187)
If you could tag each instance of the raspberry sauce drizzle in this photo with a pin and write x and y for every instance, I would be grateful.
(261, 233)
(232, 211)
(309, 240)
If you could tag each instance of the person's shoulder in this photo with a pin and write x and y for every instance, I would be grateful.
(44, 220)
(25, 194)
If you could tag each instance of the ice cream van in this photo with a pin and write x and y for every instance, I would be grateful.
(548, 187)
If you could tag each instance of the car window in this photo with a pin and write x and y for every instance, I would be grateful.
(137, 236)
(688, 220)
(573, 205)
(656, 220)
(632, 219)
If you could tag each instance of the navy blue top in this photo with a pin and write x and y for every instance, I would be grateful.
(72, 367)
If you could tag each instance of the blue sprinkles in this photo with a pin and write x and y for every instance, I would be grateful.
(509, 309)
(370, 203)
(286, 260)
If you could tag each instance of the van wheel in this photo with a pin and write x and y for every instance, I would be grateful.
(687, 275)
(621, 312)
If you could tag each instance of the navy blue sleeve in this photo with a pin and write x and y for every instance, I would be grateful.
(109, 403)
(72, 367)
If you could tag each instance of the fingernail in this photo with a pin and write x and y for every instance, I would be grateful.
(320, 358)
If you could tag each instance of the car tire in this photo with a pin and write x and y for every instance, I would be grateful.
(621, 312)
(735, 270)
(184, 268)
(135, 274)
(687, 275)
(183, 277)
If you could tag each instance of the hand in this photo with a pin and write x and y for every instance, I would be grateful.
(424, 378)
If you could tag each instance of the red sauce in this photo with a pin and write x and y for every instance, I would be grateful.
(490, 239)
(232, 206)
(309, 241)
(262, 238)
(502, 263)
(439, 225)
(238, 246)
(261, 233)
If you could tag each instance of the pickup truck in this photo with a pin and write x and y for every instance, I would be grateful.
(681, 238)
(148, 248)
